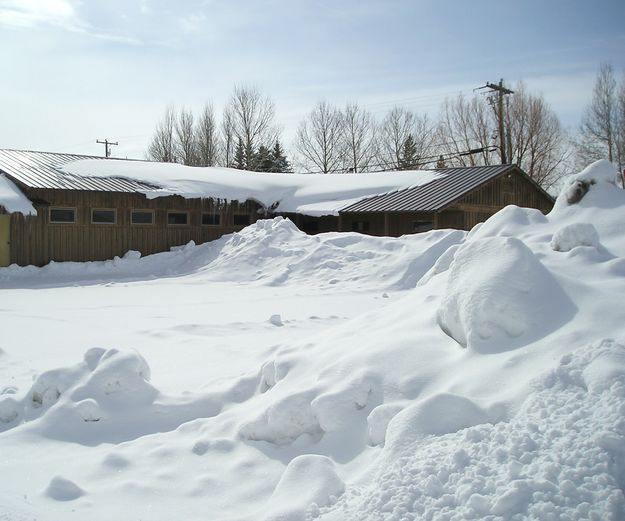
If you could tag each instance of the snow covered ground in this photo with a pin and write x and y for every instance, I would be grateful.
(278, 376)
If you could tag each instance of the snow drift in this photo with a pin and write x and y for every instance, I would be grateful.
(488, 384)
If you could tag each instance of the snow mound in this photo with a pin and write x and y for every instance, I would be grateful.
(309, 482)
(511, 221)
(560, 457)
(437, 415)
(62, 489)
(574, 235)
(378, 420)
(596, 177)
(271, 252)
(106, 398)
(284, 421)
(500, 296)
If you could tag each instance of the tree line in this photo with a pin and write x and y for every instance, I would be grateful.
(350, 139)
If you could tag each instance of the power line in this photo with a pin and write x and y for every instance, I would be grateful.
(386, 166)
(107, 144)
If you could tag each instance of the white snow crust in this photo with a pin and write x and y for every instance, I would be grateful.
(306, 194)
(12, 198)
(278, 376)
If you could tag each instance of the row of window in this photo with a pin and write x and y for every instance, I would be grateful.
(140, 217)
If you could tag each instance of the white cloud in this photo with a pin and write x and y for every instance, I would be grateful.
(31, 13)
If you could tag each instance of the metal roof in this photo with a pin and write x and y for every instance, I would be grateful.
(433, 196)
(40, 170)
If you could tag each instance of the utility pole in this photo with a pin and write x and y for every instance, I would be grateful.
(107, 144)
(501, 92)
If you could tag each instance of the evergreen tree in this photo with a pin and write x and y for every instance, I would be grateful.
(239, 156)
(263, 161)
(279, 160)
(409, 155)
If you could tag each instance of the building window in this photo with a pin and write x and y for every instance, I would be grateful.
(177, 218)
(62, 215)
(211, 219)
(422, 226)
(103, 216)
(141, 217)
(241, 220)
(360, 226)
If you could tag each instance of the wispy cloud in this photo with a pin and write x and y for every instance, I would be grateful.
(30, 14)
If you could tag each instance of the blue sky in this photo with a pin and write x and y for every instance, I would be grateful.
(74, 72)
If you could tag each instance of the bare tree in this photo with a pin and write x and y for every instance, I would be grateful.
(359, 138)
(398, 124)
(163, 144)
(620, 125)
(538, 143)
(227, 138)
(466, 125)
(319, 139)
(252, 119)
(185, 137)
(597, 132)
(207, 137)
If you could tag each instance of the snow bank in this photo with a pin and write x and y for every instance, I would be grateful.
(560, 457)
(12, 199)
(305, 194)
(499, 296)
(598, 176)
(380, 416)
(271, 252)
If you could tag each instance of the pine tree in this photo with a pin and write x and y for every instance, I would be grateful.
(409, 155)
(279, 160)
(263, 161)
(239, 156)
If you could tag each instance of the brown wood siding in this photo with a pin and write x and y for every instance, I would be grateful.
(480, 204)
(34, 240)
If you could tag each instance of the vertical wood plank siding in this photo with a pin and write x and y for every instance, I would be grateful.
(34, 240)
(473, 208)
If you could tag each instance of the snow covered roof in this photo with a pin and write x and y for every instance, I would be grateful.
(309, 194)
(12, 199)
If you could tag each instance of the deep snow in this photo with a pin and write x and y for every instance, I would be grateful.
(304, 194)
(12, 199)
(279, 376)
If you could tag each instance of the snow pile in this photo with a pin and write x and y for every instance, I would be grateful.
(314, 195)
(270, 252)
(489, 385)
(561, 457)
(574, 235)
(12, 199)
(500, 295)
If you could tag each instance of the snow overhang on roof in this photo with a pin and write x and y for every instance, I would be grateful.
(12, 199)
(308, 194)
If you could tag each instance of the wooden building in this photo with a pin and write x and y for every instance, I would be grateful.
(88, 218)
(460, 198)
